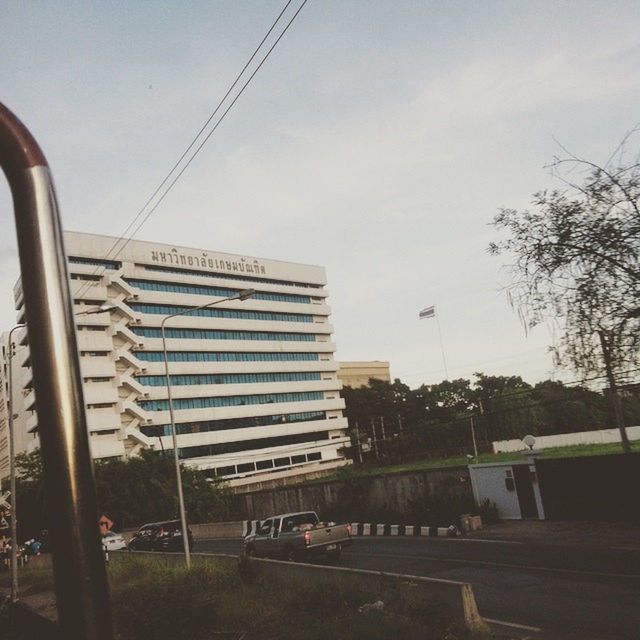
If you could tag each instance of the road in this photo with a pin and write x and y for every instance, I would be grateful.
(568, 593)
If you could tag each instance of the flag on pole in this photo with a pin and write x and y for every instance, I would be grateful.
(428, 312)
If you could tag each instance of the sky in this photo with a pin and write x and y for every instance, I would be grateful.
(378, 140)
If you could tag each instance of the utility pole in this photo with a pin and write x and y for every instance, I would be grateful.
(473, 436)
(613, 391)
(375, 439)
(384, 436)
(358, 450)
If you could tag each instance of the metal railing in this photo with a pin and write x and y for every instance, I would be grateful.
(80, 577)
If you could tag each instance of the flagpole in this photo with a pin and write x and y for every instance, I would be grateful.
(444, 360)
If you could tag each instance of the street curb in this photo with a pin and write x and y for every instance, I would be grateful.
(374, 529)
(406, 530)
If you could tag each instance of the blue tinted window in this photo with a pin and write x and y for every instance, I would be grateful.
(199, 289)
(223, 356)
(215, 334)
(228, 378)
(260, 443)
(230, 401)
(203, 426)
(272, 316)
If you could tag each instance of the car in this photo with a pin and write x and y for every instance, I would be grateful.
(113, 541)
(160, 536)
(298, 536)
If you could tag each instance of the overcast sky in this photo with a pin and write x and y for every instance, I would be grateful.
(378, 140)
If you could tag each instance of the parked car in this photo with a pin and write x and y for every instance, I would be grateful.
(296, 536)
(160, 536)
(113, 541)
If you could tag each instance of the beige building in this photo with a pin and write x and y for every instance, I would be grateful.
(358, 374)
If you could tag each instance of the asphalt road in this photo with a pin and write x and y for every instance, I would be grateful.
(568, 593)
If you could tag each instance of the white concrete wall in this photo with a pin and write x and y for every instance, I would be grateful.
(602, 436)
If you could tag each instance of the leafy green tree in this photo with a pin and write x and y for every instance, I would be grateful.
(131, 492)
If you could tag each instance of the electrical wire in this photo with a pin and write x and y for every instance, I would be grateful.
(83, 288)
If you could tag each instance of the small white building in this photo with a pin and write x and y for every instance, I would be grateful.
(512, 486)
(254, 383)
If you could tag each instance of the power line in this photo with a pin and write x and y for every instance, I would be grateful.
(213, 130)
(122, 237)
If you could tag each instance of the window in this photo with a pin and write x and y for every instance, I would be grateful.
(314, 456)
(107, 264)
(229, 378)
(198, 289)
(230, 276)
(226, 471)
(230, 401)
(247, 445)
(298, 459)
(272, 316)
(246, 467)
(221, 356)
(264, 464)
(214, 334)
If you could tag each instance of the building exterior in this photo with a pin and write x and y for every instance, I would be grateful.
(358, 374)
(22, 439)
(254, 383)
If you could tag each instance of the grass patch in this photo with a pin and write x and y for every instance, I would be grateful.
(151, 600)
(31, 580)
(573, 451)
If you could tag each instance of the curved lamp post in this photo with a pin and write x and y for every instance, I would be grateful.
(82, 595)
(243, 295)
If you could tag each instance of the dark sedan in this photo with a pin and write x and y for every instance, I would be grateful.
(160, 536)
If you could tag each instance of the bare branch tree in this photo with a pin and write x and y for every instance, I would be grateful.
(576, 257)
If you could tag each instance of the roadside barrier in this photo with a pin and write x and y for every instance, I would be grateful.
(458, 597)
(407, 530)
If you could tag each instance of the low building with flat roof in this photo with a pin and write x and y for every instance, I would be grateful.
(358, 374)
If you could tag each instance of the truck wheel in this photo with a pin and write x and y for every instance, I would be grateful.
(290, 554)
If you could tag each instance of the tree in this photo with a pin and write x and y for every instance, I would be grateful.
(131, 492)
(577, 258)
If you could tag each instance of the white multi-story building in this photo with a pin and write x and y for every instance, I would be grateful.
(254, 384)
(21, 438)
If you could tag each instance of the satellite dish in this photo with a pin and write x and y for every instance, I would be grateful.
(529, 440)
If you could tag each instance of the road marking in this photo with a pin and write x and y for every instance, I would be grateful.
(428, 540)
(514, 625)
(496, 564)
(626, 548)
(486, 540)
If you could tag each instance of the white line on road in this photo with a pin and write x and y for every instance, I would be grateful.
(495, 564)
(428, 540)
(514, 625)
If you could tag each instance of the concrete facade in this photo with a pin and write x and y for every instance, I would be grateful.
(357, 374)
(22, 438)
(254, 383)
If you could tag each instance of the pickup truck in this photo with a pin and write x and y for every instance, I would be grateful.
(296, 536)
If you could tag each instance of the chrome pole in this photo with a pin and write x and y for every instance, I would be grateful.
(243, 295)
(82, 595)
(12, 473)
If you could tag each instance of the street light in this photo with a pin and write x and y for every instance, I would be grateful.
(243, 295)
(106, 306)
